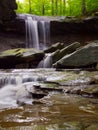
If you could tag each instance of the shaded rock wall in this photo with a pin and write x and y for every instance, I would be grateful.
(66, 31)
(86, 25)
(7, 8)
(70, 30)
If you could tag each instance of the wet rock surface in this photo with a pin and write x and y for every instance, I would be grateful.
(42, 82)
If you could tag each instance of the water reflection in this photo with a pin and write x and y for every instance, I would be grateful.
(65, 112)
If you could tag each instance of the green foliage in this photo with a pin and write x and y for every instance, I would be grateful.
(92, 5)
(58, 7)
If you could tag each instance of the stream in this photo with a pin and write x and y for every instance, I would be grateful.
(55, 111)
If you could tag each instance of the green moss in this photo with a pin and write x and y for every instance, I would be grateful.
(19, 52)
(12, 52)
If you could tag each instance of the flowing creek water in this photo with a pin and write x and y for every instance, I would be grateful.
(55, 111)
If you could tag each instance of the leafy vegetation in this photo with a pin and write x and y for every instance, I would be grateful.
(58, 7)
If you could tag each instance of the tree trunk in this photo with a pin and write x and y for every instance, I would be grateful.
(30, 11)
(52, 7)
(70, 7)
(84, 7)
(56, 3)
(43, 8)
(64, 6)
(60, 7)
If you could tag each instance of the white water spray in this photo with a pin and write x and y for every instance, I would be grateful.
(46, 62)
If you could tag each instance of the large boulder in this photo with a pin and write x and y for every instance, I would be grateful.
(20, 58)
(58, 54)
(83, 57)
(7, 8)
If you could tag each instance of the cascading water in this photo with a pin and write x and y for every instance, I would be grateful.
(15, 88)
(37, 32)
(44, 33)
(38, 35)
(32, 38)
(46, 62)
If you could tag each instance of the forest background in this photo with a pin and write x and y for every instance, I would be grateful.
(58, 7)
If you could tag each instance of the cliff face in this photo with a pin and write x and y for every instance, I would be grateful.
(66, 30)
(7, 8)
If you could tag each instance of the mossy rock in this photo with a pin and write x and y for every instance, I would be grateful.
(13, 57)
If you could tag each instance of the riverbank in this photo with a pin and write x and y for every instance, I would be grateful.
(75, 107)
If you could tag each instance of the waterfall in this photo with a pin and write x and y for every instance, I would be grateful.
(47, 32)
(38, 36)
(20, 79)
(46, 62)
(32, 38)
(42, 34)
(15, 88)
(37, 32)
